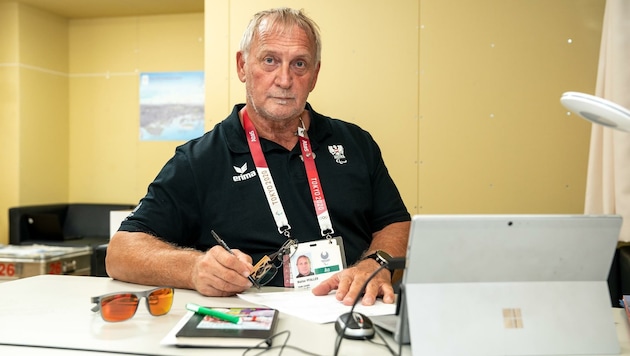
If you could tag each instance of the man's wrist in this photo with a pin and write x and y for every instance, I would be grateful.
(381, 257)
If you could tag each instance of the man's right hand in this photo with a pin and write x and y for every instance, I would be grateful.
(218, 273)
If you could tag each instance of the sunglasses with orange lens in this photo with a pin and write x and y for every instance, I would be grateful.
(123, 305)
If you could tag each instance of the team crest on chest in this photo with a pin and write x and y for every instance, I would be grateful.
(338, 154)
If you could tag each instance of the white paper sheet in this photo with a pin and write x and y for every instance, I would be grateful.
(317, 309)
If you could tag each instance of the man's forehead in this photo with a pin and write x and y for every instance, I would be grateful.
(277, 31)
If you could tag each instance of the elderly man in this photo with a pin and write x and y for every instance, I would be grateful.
(271, 176)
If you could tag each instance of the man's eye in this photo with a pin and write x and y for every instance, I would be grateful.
(268, 60)
(300, 64)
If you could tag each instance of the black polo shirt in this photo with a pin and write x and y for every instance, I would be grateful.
(211, 183)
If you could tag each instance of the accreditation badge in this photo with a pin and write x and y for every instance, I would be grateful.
(315, 261)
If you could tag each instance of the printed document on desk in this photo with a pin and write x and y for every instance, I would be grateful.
(318, 309)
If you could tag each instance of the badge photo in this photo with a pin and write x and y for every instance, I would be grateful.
(314, 262)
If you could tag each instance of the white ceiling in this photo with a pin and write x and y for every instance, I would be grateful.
(75, 9)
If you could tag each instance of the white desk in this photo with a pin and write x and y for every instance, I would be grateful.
(53, 311)
(51, 315)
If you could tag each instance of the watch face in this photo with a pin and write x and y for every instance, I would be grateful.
(382, 257)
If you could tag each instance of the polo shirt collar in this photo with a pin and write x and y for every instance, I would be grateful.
(318, 130)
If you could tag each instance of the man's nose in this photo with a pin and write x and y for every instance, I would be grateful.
(284, 79)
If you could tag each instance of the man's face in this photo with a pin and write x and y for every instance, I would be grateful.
(304, 266)
(279, 72)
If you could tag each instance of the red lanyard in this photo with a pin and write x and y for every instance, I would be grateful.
(273, 199)
(317, 192)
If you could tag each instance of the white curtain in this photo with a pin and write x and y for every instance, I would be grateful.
(608, 179)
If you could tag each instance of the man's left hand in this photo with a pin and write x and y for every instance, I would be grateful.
(349, 282)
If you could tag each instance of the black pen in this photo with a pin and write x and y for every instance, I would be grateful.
(228, 249)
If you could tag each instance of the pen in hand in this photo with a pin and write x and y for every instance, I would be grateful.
(228, 249)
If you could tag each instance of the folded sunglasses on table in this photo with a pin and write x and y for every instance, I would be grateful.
(122, 306)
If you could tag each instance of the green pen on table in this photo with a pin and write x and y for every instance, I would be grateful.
(213, 313)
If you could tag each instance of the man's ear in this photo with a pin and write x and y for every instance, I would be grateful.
(240, 66)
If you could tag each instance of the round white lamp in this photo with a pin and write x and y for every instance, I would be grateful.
(597, 110)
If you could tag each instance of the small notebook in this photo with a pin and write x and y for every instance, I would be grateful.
(256, 329)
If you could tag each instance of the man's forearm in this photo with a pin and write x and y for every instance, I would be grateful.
(143, 259)
(392, 239)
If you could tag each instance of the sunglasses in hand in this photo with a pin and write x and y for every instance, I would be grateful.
(122, 306)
